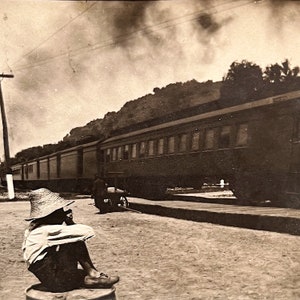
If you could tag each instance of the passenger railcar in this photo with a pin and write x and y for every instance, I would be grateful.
(255, 146)
(68, 170)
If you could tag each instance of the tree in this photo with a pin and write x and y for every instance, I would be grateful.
(281, 78)
(242, 83)
(288, 73)
(280, 73)
(273, 74)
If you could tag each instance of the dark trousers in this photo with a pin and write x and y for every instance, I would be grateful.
(58, 270)
(101, 205)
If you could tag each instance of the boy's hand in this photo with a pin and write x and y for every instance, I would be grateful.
(69, 217)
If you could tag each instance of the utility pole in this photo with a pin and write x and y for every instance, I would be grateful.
(9, 177)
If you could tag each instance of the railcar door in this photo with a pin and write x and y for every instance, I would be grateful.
(293, 184)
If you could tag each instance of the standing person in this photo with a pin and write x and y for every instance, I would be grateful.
(99, 191)
(54, 245)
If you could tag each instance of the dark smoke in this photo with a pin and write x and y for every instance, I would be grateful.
(207, 23)
(128, 18)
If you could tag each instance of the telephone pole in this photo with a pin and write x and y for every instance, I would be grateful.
(9, 178)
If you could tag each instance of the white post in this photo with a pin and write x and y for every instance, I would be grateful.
(222, 183)
(10, 186)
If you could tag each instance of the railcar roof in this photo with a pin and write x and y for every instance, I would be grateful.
(61, 152)
(223, 111)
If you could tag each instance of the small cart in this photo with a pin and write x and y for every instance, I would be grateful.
(116, 199)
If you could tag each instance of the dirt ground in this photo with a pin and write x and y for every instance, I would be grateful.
(160, 258)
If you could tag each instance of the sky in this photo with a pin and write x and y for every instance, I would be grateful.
(74, 61)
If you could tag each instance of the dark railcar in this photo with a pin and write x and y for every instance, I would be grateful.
(254, 146)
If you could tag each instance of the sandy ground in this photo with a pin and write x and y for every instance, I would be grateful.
(161, 258)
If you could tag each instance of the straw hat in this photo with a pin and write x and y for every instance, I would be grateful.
(44, 202)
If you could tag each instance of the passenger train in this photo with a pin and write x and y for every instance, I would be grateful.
(255, 146)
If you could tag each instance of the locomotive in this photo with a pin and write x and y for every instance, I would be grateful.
(255, 146)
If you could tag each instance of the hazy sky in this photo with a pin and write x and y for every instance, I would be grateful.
(75, 61)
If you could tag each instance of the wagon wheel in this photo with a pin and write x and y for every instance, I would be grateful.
(123, 201)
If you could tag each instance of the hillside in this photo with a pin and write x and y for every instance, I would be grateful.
(163, 102)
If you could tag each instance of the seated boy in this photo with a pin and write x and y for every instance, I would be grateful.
(54, 245)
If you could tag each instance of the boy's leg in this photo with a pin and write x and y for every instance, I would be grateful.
(83, 257)
(58, 271)
(94, 278)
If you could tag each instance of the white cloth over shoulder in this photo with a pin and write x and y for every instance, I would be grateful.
(37, 240)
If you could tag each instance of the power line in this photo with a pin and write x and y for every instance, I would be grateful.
(131, 35)
(54, 33)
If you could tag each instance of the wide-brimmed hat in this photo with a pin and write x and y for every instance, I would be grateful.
(44, 202)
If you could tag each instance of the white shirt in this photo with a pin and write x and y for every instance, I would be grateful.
(37, 240)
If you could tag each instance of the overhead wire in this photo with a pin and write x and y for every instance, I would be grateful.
(54, 33)
(122, 38)
(128, 36)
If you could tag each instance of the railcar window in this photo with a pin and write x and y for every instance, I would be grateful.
(26, 171)
(79, 163)
(16, 171)
(120, 156)
(224, 141)
(171, 144)
(182, 142)
(297, 131)
(151, 148)
(114, 154)
(38, 171)
(30, 169)
(242, 135)
(107, 155)
(142, 151)
(126, 152)
(209, 138)
(161, 146)
(195, 141)
(133, 151)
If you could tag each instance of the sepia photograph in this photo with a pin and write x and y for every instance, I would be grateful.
(150, 150)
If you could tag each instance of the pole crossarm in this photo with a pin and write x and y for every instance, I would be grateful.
(7, 75)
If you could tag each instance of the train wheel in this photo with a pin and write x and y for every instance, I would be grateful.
(147, 189)
(292, 201)
(246, 191)
(157, 192)
(244, 196)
